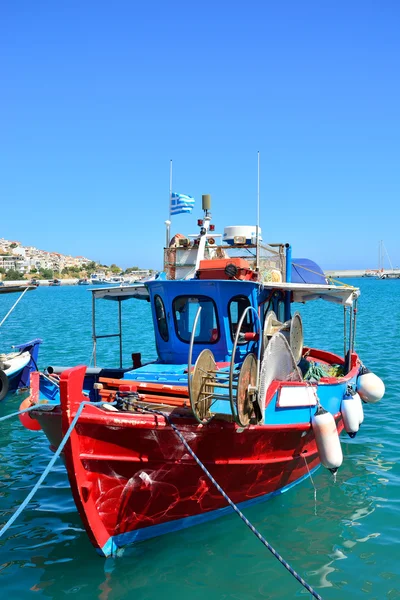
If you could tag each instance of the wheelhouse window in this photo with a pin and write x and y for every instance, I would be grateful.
(185, 309)
(161, 318)
(236, 308)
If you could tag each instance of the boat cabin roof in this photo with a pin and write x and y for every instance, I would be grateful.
(301, 292)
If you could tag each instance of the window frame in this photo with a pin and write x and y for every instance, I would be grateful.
(235, 298)
(199, 297)
(156, 298)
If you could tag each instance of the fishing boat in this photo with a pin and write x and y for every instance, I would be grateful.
(17, 365)
(83, 281)
(234, 396)
(99, 279)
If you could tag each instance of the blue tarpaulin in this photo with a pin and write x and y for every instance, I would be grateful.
(305, 270)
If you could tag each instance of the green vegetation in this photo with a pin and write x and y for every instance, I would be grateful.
(115, 269)
(13, 275)
(46, 273)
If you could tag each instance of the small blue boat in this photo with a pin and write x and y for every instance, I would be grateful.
(16, 367)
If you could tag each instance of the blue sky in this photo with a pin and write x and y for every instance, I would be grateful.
(97, 97)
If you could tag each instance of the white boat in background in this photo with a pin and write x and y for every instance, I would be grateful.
(382, 273)
(371, 273)
(99, 279)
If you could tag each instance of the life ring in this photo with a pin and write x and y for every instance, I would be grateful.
(4, 385)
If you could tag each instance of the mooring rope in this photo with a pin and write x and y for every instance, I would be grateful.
(20, 412)
(49, 466)
(232, 504)
(14, 305)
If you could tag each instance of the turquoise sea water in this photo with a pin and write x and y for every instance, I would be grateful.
(346, 544)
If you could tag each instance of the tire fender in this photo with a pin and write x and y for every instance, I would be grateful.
(4, 385)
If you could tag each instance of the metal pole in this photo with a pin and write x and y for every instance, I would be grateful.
(353, 341)
(258, 214)
(168, 229)
(120, 332)
(94, 328)
(350, 330)
(344, 330)
(288, 293)
(169, 202)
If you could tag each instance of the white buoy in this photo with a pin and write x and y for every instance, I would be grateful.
(327, 439)
(350, 409)
(360, 407)
(370, 387)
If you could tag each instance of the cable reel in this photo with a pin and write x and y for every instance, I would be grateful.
(292, 330)
(207, 384)
(245, 402)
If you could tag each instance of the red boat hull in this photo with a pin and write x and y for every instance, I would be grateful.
(132, 478)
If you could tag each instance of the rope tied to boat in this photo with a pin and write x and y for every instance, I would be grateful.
(19, 412)
(14, 305)
(47, 470)
(231, 503)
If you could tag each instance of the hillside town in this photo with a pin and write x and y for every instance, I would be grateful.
(18, 261)
(13, 255)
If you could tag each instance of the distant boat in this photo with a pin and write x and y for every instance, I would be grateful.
(382, 273)
(16, 366)
(54, 282)
(10, 289)
(97, 279)
(371, 273)
(83, 281)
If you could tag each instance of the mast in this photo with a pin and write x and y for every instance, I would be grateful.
(258, 215)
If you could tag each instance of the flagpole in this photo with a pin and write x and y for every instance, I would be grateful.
(168, 223)
(258, 214)
(170, 186)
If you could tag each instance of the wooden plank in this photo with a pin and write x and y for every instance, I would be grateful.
(178, 390)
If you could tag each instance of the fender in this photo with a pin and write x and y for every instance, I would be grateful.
(4, 385)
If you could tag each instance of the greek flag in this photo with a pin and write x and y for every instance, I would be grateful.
(180, 203)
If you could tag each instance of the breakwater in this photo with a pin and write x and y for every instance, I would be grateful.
(339, 273)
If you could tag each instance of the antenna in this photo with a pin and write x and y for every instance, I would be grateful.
(258, 214)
